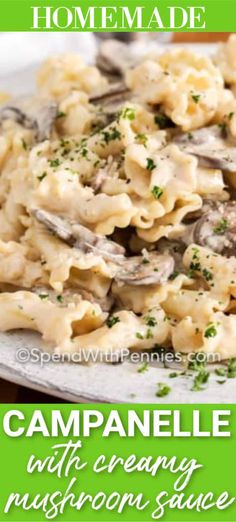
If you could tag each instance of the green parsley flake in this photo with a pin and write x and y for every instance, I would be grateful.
(43, 296)
(163, 389)
(60, 298)
(42, 176)
(149, 334)
(113, 134)
(173, 276)
(162, 121)
(139, 336)
(201, 378)
(150, 164)
(231, 373)
(157, 192)
(142, 139)
(207, 274)
(24, 144)
(150, 321)
(128, 113)
(173, 375)
(60, 115)
(112, 320)
(54, 163)
(196, 97)
(221, 226)
(143, 368)
(211, 331)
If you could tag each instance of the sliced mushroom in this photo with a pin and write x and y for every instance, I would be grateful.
(216, 229)
(114, 58)
(80, 237)
(32, 113)
(149, 270)
(212, 146)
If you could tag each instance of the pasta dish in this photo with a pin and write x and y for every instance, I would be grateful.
(117, 203)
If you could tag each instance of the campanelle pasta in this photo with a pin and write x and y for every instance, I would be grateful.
(117, 211)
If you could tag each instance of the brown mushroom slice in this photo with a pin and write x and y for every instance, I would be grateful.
(80, 237)
(152, 269)
(216, 159)
(32, 113)
(207, 136)
(115, 57)
(216, 229)
(211, 147)
(110, 102)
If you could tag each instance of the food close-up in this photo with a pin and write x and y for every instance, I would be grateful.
(118, 203)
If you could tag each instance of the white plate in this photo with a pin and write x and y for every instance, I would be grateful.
(98, 382)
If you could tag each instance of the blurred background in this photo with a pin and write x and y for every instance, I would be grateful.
(32, 48)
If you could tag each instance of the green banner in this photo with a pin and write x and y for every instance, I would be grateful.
(119, 15)
(110, 463)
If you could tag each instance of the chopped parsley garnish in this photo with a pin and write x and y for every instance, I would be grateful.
(162, 121)
(145, 261)
(139, 336)
(150, 164)
(157, 192)
(207, 274)
(221, 226)
(195, 253)
(173, 375)
(193, 268)
(112, 320)
(60, 298)
(149, 334)
(54, 163)
(84, 152)
(173, 275)
(141, 138)
(128, 113)
(198, 362)
(196, 97)
(42, 176)
(143, 368)
(150, 321)
(113, 134)
(221, 372)
(60, 115)
(211, 331)
(200, 379)
(24, 144)
(230, 115)
(163, 389)
(43, 296)
(231, 373)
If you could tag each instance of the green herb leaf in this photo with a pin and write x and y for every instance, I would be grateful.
(112, 320)
(221, 226)
(150, 321)
(157, 192)
(211, 331)
(143, 368)
(150, 164)
(42, 176)
(128, 113)
(196, 97)
(162, 121)
(163, 389)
